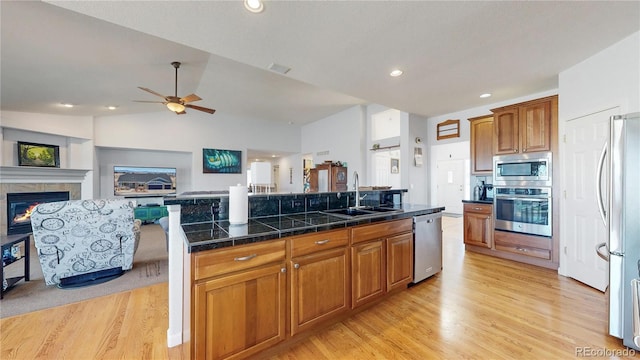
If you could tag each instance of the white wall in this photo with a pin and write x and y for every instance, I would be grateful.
(181, 139)
(606, 80)
(342, 136)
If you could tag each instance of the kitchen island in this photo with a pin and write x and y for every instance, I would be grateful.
(254, 287)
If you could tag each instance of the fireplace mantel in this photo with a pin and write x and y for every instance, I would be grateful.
(27, 174)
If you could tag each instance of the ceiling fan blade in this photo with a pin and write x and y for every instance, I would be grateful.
(181, 112)
(207, 110)
(146, 101)
(152, 92)
(190, 98)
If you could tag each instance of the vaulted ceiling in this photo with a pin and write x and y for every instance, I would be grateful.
(96, 53)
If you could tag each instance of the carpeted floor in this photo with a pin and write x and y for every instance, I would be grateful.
(150, 266)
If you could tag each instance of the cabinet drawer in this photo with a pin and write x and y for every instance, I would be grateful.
(479, 208)
(307, 244)
(380, 230)
(535, 246)
(217, 262)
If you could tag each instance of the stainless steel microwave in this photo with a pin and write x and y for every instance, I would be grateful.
(531, 169)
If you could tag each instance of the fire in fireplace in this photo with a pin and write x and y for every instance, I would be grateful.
(20, 206)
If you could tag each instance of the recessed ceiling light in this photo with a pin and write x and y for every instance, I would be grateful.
(396, 73)
(281, 69)
(485, 95)
(67, 105)
(112, 107)
(255, 6)
(273, 155)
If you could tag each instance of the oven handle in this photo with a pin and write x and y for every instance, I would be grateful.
(522, 198)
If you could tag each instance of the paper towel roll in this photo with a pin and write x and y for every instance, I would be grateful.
(238, 205)
(238, 230)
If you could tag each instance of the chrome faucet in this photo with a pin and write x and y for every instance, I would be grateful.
(356, 187)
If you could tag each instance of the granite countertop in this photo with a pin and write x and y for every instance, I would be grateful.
(486, 201)
(219, 234)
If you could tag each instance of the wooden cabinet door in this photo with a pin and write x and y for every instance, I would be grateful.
(505, 131)
(399, 261)
(368, 275)
(240, 314)
(535, 127)
(319, 288)
(482, 145)
(339, 178)
(478, 225)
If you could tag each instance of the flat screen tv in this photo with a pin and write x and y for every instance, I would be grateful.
(143, 181)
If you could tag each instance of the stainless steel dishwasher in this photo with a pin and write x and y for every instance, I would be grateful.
(427, 246)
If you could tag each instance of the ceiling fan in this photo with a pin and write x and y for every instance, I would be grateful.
(174, 103)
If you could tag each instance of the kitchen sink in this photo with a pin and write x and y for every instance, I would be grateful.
(361, 211)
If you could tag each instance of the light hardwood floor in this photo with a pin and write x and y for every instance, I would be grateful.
(479, 307)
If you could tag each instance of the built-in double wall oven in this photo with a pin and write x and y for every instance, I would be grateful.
(522, 193)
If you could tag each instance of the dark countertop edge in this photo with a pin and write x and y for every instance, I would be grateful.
(488, 201)
(408, 212)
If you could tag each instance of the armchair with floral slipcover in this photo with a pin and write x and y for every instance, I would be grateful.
(85, 242)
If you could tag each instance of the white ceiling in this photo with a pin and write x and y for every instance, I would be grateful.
(96, 53)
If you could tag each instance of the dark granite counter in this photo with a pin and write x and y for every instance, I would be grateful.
(487, 201)
(219, 233)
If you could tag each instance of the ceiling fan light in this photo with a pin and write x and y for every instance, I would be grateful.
(175, 107)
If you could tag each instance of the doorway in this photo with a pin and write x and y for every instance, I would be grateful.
(450, 184)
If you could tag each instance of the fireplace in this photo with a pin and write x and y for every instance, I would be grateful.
(20, 205)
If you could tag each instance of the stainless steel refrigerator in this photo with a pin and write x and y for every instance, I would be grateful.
(619, 204)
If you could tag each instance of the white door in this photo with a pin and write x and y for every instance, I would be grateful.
(451, 185)
(582, 227)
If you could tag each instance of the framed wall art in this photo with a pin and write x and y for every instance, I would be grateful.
(218, 161)
(395, 166)
(41, 155)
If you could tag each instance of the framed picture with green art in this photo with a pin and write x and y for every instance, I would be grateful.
(41, 155)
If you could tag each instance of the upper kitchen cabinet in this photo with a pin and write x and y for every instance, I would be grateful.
(524, 127)
(481, 144)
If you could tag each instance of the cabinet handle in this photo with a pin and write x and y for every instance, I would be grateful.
(283, 270)
(521, 249)
(524, 150)
(322, 242)
(245, 258)
(477, 208)
(515, 150)
(296, 266)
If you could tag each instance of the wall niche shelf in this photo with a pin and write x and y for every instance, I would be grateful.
(385, 147)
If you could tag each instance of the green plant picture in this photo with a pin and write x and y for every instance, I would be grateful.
(31, 154)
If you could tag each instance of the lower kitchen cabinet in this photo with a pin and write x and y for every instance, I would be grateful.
(239, 300)
(478, 224)
(399, 261)
(381, 259)
(249, 298)
(319, 278)
(368, 272)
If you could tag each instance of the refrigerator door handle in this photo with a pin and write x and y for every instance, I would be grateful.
(605, 255)
(603, 211)
(635, 289)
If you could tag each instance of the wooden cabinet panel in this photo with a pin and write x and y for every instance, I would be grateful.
(505, 131)
(478, 225)
(319, 288)
(482, 145)
(375, 231)
(337, 178)
(535, 126)
(525, 127)
(367, 272)
(399, 261)
(307, 244)
(239, 315)
(213, 263)
(529, 245)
